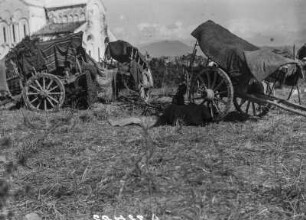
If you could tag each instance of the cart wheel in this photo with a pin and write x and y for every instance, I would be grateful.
(44, 92)
(253, 108)
(213, 88)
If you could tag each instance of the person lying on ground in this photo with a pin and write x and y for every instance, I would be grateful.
(196, 115)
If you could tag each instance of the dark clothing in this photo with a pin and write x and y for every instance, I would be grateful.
(178, 99)
(189, 114)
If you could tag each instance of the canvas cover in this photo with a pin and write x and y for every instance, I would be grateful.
(30, 53)
(262, 63)
(59, 52)
(223, 47)
(125, 53)
(235, 55)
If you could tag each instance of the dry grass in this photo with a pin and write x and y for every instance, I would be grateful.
(80, 166)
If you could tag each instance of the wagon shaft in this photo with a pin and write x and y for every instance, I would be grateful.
(278, 102)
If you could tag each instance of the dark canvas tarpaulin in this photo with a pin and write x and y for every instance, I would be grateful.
(124, 52)
(118, 50)
(235, 55)
(223, 47)
(262, 63)
(31, 54)
(59, 52)
(301, 52)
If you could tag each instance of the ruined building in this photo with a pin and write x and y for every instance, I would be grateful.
(49, 19)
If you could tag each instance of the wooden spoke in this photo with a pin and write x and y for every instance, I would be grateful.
(50, 101)
(219, 93)
(219, 84)
(54, 93)
(50, 90)
(32, 93)
(216, 106)
(37, 107)
(37, 83)
(45, 104)
(48, 86)
(215, 76)
(200, 86)
(208, 80)
(34, 88)
(34, 100)
(44, 83)
(210, 109)
(53, 99)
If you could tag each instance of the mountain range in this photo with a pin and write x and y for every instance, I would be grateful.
(166, 48)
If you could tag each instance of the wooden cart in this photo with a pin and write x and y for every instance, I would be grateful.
(239, 75)
(46, 75)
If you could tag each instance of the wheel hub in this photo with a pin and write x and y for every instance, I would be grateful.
(209, 94)
(43, 94)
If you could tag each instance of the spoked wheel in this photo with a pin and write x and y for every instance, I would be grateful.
(249, 107)
(212, 88)
(44, 92)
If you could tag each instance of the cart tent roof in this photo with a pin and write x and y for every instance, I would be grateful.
(235, 55)
(123, 51)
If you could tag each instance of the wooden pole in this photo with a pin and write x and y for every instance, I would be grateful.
(294, 51)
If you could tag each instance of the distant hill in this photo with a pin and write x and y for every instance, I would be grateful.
(166, 48)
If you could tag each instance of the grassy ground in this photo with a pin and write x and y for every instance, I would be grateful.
(72, 165)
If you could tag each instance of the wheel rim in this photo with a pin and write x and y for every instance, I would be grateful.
(213, 89)
(44, 92)
(251, 108)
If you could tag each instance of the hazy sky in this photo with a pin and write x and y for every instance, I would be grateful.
(262, 22)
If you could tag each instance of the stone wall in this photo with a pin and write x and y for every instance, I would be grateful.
(18, 19)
